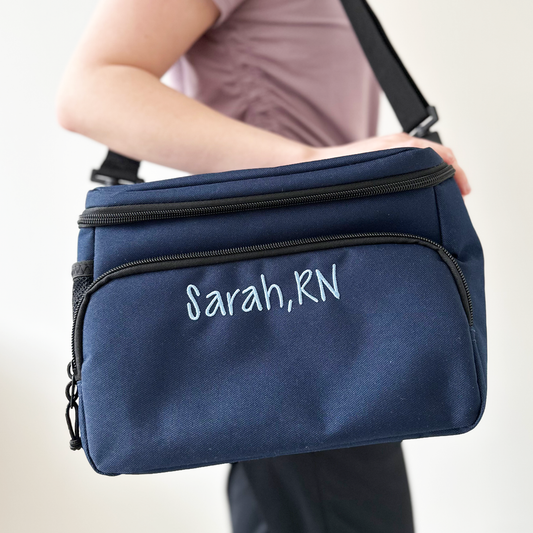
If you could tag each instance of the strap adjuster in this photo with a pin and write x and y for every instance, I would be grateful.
(422, 130)
(113, 177)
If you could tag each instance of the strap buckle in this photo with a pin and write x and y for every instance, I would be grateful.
(114, 178)
(422, 130)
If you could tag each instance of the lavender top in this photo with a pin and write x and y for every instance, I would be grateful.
(293, 67)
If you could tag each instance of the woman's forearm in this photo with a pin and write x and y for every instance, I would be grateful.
(132, 112)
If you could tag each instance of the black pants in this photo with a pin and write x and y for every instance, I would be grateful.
(355, 490)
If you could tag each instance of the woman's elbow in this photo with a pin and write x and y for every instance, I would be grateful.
(74, 98)
(67, 107)
(81, 100)
(65, 117)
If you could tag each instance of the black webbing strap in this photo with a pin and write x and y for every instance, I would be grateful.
(414, 114)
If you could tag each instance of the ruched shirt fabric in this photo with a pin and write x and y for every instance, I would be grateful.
(293, 67)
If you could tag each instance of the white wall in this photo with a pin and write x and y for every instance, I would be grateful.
(473, 60)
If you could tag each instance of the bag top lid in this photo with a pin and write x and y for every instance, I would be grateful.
(321, 173)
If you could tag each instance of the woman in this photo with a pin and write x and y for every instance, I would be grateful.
(255, 83)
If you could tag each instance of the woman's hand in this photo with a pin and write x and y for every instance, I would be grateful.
(397, 140)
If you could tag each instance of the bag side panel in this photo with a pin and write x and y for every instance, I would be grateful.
(86, 244)
(460, 238)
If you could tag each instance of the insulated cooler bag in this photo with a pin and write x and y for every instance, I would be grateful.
(248, 314)
(239, 315)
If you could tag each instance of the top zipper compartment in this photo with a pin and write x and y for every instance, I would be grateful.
(125, 214)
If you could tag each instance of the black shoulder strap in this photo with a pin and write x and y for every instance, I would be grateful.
(414, 114)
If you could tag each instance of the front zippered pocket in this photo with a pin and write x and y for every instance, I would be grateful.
(277, 348)
(195, 259)
(123, 214)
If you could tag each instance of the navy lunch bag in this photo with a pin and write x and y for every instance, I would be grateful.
(254, 313)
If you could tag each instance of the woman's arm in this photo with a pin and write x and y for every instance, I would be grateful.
(112, 93)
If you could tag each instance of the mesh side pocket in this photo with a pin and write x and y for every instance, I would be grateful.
(82, 277)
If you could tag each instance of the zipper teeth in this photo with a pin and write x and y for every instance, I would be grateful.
(409, 184)
(270, 246)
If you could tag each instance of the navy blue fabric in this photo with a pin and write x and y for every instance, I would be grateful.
(384, 353)
(459, 237)
(336, 171)
(414, 212)
(86, 244)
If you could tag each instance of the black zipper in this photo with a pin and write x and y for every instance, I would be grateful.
(286, 247)
(236, 254)
(111, 215)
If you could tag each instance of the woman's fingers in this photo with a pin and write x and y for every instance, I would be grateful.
(462, 181)
(449, 157)
(398, 140)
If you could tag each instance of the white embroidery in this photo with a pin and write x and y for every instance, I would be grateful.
(196, 316)
(249, 299)
(323, 281)
(230, 300)
(215, 304)
(301, 286)
(269, 290)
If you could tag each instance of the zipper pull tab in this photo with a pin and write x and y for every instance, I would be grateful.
(71, 392)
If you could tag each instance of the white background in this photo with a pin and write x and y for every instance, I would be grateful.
(473, 60)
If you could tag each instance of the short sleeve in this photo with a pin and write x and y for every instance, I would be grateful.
(226, 8)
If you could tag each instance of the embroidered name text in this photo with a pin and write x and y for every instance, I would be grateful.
(308, 286)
